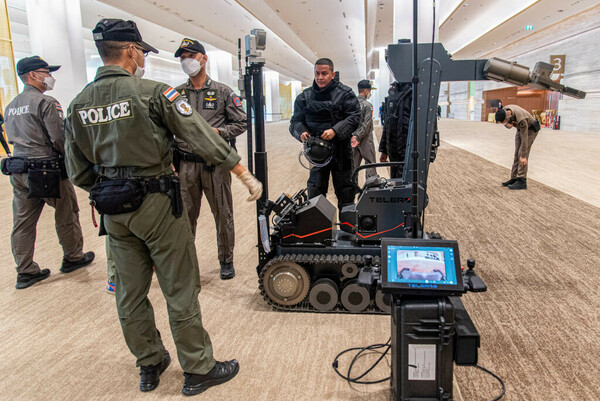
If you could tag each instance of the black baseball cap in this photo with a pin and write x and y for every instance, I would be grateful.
(33, 63)
(365, 84)
(190, 45)
(120, 31)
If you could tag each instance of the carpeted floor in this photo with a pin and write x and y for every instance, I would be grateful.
(537, 250)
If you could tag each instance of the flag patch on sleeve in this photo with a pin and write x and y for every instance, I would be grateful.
(171, 94)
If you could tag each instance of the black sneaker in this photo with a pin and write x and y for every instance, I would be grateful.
(509, 182)
(222, 372)
(25, 280)
(520, 184)
(150, 375)
(227, 270)
(68, 267)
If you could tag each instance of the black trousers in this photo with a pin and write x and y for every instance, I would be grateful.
(318, 183)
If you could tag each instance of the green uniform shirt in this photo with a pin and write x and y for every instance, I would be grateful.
(125, 126)
(34, 124)
(219, 105)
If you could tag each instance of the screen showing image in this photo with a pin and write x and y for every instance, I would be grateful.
(421, 265)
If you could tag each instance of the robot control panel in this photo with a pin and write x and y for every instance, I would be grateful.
(421, 267)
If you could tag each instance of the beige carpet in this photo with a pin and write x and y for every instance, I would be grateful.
(536, 249)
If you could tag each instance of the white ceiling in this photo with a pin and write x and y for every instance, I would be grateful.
(541, 14)
(350, 32)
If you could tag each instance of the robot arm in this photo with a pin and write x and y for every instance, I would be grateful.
(500, 70)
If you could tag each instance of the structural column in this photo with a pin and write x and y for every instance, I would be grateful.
(220, 67)
(296, 90)
(271, 79)
(384, 78)
(56, 35)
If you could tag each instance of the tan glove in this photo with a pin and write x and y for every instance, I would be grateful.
(253, 185)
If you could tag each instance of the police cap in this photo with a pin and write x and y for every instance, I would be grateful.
(33, 63)
(500, 116)
(120, 31)
(190, 45)
(365, 84)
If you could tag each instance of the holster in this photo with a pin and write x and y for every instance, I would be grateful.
(535, 125)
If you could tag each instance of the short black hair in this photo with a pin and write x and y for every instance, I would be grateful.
(325, 61)
(111, 50)
(500, 116)
(24, 78)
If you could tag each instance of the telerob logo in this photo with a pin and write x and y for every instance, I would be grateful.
(105, 114)
(381, 199)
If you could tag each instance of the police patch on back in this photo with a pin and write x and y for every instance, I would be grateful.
(183, 107)
(105, 114)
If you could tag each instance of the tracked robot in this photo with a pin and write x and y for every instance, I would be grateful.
(310, 262)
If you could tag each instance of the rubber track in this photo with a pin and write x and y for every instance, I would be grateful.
(305, 305)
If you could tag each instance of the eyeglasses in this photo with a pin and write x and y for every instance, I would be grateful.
(144, 51)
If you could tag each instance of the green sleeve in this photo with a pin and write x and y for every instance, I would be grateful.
(80, 170)
(193, 129)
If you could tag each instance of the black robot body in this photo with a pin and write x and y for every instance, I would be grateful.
(311, 262)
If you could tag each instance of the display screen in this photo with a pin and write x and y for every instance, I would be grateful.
(421, 265)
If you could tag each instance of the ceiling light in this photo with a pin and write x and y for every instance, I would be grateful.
(529, 27)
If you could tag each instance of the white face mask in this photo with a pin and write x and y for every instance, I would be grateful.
(139, 71)
(49, 81)
(191, 66)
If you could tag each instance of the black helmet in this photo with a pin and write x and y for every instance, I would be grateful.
(318, 151)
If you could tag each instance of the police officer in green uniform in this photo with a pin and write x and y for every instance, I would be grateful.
(362, 138)
(219, 105)
(119, 136)
(34, 126)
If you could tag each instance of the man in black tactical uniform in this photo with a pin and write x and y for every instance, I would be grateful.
(330, 110)
(396, 109)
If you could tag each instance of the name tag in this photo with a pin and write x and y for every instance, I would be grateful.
(105, 114)
(210, 100)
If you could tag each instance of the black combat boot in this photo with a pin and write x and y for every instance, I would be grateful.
(227, 270)
(25, 280)
(150, 375)
(222, 372)
(509, 182)
(520, 184)
(68, 267)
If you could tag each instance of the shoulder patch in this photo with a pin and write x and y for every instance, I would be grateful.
(183, 107)
(237, 101)
(171, 94)
(61, 114)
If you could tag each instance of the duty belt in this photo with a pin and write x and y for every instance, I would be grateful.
(189, 157)
(46, 164)
(156, 184)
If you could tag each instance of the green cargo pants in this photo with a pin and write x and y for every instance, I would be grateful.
(152, 236)
(216, 185)
(26, 213)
